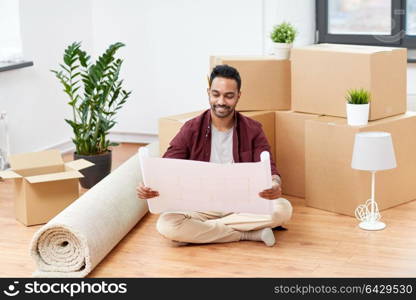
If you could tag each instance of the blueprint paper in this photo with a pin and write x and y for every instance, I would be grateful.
(186, 185)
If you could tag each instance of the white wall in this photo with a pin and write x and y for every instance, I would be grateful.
(166, 57)
(411, 79)
(32, 97)
(411, 87)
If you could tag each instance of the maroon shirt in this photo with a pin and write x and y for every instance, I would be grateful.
(194, 140)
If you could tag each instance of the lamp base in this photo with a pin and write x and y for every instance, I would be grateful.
(375, 225)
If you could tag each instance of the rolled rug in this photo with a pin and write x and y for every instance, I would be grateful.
(74, 242)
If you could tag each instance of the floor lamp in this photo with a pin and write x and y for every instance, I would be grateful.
(373, 151)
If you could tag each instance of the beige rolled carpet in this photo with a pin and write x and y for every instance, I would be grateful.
(74, 242)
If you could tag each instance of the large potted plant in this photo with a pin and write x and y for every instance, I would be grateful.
(95, 94)
(358, 106)
(283, 36)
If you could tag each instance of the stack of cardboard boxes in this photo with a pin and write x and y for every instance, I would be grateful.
(301, 105)
(321, 76)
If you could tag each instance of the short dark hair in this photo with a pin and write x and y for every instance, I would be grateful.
(225, 71)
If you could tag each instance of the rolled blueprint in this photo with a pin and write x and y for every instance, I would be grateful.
(188, 185)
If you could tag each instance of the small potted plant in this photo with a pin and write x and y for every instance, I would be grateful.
(95, 94)
(283, 36)
(358, 106)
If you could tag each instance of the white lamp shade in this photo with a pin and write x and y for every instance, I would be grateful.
(373, 151)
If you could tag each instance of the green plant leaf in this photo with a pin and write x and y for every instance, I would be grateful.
(358, 96)
(95, 95)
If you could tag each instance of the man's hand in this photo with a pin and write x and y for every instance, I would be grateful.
(145, 192)
(273, 193)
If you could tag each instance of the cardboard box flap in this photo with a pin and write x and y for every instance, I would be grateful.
(35, 159)
(54, 177)
(9, 174)
(79, 164)
(349, 48)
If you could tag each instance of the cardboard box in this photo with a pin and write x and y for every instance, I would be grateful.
(265, 81)
(43, 184)
(331, 183)
(322, 74)
(290, 150)
(170, 126)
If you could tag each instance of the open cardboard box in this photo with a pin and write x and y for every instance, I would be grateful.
(43, 184)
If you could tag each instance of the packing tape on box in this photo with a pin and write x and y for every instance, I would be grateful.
(74, 242)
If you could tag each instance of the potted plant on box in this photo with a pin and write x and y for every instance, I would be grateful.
(283, 36)
(358, 106)
(95, 94)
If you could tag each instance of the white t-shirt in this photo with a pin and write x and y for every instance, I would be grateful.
(221, 146)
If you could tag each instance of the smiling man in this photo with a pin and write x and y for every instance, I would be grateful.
(222, 135)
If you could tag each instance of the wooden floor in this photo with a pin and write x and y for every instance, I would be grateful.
(317, 244)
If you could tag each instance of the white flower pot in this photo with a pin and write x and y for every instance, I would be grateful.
(281, 50)
(357, 114)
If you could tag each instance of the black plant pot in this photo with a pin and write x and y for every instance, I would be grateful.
(94, 174)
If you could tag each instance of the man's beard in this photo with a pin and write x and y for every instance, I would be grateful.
(222, 111)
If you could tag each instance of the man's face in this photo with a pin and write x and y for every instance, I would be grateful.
(223, 96)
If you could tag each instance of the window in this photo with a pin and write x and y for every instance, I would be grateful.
(367, 22)
(359, 17)
(11, 56)
(411, 17)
